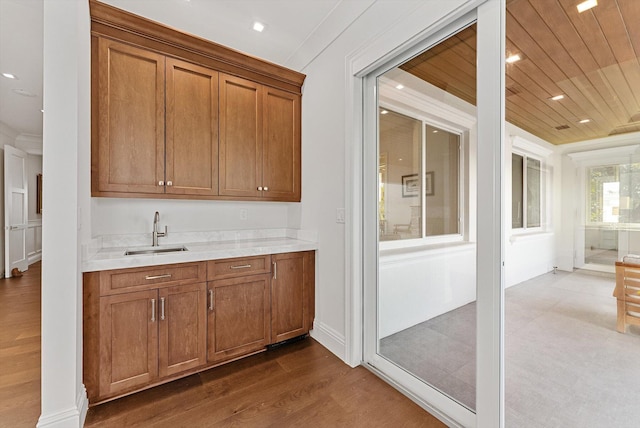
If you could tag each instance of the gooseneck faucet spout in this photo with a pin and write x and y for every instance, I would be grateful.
(156, 234)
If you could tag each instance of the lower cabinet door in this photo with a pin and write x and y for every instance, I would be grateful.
(238, 316)
(291, 295)
(182, 321)
(128, 341)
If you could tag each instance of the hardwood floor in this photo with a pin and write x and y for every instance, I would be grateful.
(20, 349)
(297, 385)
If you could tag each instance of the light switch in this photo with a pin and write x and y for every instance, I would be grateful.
(243, 214)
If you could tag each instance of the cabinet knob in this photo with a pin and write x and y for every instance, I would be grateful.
(160, 183)
(266, 188)
(169, 183)
(260, 188)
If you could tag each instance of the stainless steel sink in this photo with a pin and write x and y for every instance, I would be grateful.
(155, 250)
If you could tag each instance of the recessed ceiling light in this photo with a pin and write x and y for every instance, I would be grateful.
(23, 92)
(258, 26)
(513, 58)
(585, 121)
(9, 75)
(400, 86)
(435, 131)
(586, 5)
(384, 112)
(557, 97)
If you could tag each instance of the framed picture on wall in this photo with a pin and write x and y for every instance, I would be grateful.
(410, 185)
(428, 184)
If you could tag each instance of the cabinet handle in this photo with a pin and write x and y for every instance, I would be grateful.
(169, 183)
(166, 275)
(275, 270)
(160, 183)
(240, 267)
(260, 188)
(266, 188)
(211, 299)
(162, 308)
(153, 310)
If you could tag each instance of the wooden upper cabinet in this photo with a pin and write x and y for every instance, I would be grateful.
(281, 145)
(240, 137)
(177, 116)
(129, 156)
(192, 129)
(259, 141)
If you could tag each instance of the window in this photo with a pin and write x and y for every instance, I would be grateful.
(526, 185)
(614, 193)
(419, 178)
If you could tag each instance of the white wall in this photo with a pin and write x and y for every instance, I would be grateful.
(420, 285)
(65, 167)
(113, 216)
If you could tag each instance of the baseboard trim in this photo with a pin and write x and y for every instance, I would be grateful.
(73, 417)
(34, 257)
(330, 339)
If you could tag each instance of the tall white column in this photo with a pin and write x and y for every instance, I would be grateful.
(66, 127)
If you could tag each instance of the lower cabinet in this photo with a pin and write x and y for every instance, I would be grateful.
(183, 328)
(239, 316)
(292, 295)
(128, 341)
(146, 326)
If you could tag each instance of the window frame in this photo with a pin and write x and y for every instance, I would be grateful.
(525, 202)
(430, 117)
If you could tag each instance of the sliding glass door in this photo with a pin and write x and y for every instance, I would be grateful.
(433, 275)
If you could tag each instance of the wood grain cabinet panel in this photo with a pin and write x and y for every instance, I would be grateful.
(128, 341)
(281, 145)
(177, 116)
(240, 137)
(259, 141)
(182, 328)
(192, 129)
(292, 295)
(129, 156)
(238, 320)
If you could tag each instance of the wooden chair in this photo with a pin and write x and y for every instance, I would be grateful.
(627, 292)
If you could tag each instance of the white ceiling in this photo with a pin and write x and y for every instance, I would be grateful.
(21, 54)
(295, 32)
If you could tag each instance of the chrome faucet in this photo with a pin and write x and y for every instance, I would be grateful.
(156, 234)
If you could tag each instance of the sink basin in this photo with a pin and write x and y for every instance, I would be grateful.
(155, 250)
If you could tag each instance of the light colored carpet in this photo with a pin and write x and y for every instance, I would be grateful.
(565, 363)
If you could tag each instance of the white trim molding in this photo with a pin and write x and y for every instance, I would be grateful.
(73, 417)
(330, 339)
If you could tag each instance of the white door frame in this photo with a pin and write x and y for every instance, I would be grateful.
(15, 229)
(361, 263)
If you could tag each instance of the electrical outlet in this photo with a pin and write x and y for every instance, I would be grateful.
(340, 215)
(243, 214)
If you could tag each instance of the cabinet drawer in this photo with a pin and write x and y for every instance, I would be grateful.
(124, 280)
(230, 268)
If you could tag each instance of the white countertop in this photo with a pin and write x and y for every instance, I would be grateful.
(114, 258)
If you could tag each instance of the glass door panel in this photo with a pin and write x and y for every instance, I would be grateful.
(426, 292)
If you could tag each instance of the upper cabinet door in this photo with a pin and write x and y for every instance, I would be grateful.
(240, 137)
(192, 129)
(281, 145)
(130, 145)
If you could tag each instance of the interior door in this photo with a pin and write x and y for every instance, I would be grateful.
(15, 210)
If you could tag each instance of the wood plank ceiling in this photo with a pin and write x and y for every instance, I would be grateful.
(590, 58)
